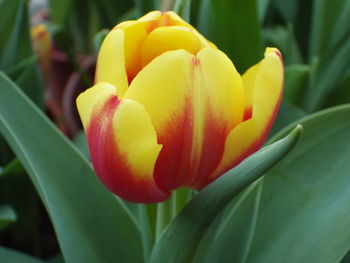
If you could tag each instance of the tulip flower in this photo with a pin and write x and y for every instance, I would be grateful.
(169, 109)
(42, 45)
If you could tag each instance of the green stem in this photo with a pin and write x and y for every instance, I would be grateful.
(166, 211)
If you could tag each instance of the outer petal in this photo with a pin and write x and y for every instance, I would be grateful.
(122, 143)
(193, 102)
(265, 81)
(110, 62)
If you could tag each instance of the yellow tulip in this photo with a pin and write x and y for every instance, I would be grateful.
(169, 109)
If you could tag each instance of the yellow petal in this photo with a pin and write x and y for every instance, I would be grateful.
(122, 143)
(163, 39)
(93, 99)
(192, 102)
(110, 65)
(266, 83)
(136, 137)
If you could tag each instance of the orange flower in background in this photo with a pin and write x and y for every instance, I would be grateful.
(170, 110)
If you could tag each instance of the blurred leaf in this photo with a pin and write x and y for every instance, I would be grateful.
(329, 71)
(17, 191)
(84, 214)
(233, 25)
(287, 9)
(330, 25)
(296, 81)
(262, 8)
(14, 27)
(111, 11)
(13, 167)
(98, 39)
(341, 94)
(179, 241)
(145, 6)
(59, 10)
(56, 259)
(11, 256)
(305, 200)
(16, 53)
(7, 216)
(183, 8)
(346, 259)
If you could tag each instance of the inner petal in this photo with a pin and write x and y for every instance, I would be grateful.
(168, 38)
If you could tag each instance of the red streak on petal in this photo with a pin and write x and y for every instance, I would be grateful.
(215, 132)
(174, 158)
(111, 165)
(248, 113)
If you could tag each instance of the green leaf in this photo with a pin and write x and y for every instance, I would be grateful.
(262, 9)
(330, 25)
(232, 231)
(288, 9)
(13, 167)
(91, 224)
(179, 241)
(7, 216)
(183, 8)
(16, 53)
(81, 144)
(296, 77)
(287, 114)
(340, 95)
(304, 208)
(11, 256)
(60, 10)
(56, 259)
(145, 6)
(329, 71)
(233, 25)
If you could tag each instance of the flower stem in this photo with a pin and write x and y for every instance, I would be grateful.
(166, 211)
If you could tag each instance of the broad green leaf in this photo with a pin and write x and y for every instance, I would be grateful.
(233, 25)
(304, 208)
(232, 230)
(180, 240)
(7, 216)
(90, 223)
(8, 255)
(81, 144)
